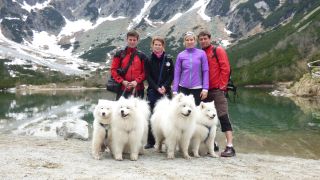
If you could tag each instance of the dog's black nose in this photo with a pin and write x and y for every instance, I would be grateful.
(189, 111)
(122, 111)
(103, 114)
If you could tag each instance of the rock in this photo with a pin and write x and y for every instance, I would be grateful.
(76, 129)
(306, 86)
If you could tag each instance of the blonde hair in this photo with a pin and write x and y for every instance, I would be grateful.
(189, 34)
(158, 38)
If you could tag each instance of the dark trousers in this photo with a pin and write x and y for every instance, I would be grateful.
(195, 92)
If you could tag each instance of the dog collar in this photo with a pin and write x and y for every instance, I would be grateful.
(209, 130)
(106, 126)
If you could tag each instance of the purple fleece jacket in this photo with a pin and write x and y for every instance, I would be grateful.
(191, 70)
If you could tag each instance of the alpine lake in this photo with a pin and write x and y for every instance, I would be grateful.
(262, 124)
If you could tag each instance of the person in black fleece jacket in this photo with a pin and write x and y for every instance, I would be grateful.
(159, 74)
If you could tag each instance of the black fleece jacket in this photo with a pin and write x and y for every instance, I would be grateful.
(153, 67)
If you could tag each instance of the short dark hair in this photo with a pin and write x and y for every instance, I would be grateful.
(133, 33)
(204, 33)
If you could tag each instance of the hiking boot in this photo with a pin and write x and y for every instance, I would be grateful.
(216, 147)
(228, 152)
(149, 146)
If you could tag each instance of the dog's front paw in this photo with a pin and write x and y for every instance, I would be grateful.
(133, 157)
(118, 157)
(214, 155)
(196, 155)
(186, 156)
(170, 156)
(97, 157)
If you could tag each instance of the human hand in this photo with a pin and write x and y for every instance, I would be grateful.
(125, 83)
(163, 90)
(203, 94)
(133, 84)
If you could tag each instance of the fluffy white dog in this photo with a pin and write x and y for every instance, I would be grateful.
(174, 121)
(101, 125)
(129, 127)
(205, 133)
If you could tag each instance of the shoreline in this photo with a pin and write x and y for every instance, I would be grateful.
(44, 158)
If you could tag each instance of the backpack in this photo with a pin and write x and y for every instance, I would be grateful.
(230, 86)
(122, 54)
(111, 84)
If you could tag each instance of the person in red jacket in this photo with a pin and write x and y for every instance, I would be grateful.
(135, 75)
(219, 73)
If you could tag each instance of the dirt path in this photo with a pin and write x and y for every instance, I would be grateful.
(39, 158)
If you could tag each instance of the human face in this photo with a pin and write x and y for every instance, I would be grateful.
(132, 41)
(204, 41)
(189, 42)
(157, 46)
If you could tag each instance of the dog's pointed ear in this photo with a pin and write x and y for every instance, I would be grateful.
(179, 97)
(191, 96)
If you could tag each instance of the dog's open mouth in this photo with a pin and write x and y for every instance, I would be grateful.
(212, 117)
(123, 114)
(186, 114)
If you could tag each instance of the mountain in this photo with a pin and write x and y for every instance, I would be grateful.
(70, 34)
(280, 53)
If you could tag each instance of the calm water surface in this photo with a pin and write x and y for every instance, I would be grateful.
(262, 123)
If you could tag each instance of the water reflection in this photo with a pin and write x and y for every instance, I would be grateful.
(262, 123)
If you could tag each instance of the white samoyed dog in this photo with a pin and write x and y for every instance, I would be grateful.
(174, 122)
(206, 128)
(129, 127)
(101, 127)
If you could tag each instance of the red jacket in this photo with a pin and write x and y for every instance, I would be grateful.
(219, 72)
(135, 71)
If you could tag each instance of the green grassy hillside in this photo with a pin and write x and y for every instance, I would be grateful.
(280, 54)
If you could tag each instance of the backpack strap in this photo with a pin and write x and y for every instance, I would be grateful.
(230, 85)
(121, 54)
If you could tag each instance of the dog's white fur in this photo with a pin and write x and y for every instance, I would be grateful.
(206, 129)
(102, 114)
(129, 127)
(174, 121)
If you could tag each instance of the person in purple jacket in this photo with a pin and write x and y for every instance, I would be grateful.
(191, 72)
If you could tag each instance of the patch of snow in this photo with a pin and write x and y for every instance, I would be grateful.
(12, 50)
(50, 44)
(149, 21)
(17, 61)
(11, 18)
(175, 17)
(24, 17)
(225, 43)
(139, 17)
(72, 27)
(227, 31)
(202, 4)
(261, 4)
(28, 7)
(235, 4)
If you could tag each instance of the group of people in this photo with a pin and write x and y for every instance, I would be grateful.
(196, 71)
